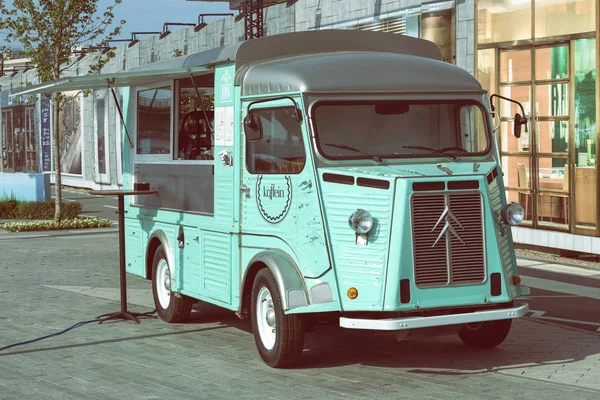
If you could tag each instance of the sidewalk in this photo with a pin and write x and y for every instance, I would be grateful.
(214, 357)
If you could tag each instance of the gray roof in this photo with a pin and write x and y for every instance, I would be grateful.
(355, 72)
(296, 44)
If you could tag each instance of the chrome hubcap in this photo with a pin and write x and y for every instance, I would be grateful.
(265, 318)
(163, 283)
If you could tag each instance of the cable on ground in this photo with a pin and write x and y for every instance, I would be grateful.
(75, 325)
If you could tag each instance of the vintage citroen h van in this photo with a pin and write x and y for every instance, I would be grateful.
(336, 172)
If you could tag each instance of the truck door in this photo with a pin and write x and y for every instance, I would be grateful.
(279, 199)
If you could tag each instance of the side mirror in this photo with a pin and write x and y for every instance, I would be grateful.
(252, 127)
(519, 120)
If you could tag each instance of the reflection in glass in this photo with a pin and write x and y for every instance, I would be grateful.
(552, 100)
(519, 93)
(562, 17)
(515, 66)
(553, 136)
(516, 176)
(552, 63)
(503, 20)
(509, 142)
(400, 129)
(585, 132)
(553, 182)
(486, 69)
(585, 102)
(100, 134)
(154, 121)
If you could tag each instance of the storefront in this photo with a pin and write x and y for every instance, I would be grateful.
(18, 137)
(545, 53)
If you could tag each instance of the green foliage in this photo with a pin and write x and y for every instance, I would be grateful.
(78, 223)
(14, 209)
(51, 31)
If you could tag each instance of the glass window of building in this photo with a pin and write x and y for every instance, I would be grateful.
(562, 17)
(101, 135)
(503, 20)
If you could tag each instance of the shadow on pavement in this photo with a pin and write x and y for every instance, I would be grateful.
(327, 345)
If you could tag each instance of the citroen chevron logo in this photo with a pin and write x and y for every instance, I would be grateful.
(449, 217)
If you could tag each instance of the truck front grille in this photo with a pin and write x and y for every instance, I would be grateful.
(448, 238)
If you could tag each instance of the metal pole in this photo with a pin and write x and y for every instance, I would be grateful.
(122, 277)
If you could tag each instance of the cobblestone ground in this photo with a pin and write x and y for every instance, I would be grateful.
(50, 283)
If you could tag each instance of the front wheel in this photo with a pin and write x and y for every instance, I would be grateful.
(485, 334)
(279, 338)
(169, 306)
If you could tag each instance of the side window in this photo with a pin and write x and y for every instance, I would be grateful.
(154, 121)
(281, 149)
(472, 128)
(195, 139)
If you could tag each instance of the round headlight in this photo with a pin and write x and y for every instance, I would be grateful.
(361, 221)
(512, 214)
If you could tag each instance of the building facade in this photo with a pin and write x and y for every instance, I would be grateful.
(541, 52)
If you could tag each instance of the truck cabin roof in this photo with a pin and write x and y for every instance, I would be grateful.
(311, 61)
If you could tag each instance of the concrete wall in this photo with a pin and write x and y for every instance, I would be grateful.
(303, 15)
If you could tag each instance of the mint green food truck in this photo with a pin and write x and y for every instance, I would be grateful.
(319, 173)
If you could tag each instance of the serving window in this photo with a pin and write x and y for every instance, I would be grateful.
(154, 107)
(195, 127)
(176, 121)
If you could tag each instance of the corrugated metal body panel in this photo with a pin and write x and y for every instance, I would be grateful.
(134, 257)
(504, 241)
(362, 267)
(216, 270)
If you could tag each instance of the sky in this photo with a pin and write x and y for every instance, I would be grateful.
(150, 15)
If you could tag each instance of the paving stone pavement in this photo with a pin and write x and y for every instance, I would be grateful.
(49, 283)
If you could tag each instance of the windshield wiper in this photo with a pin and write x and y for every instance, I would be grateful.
(448, 156)
(377, 159)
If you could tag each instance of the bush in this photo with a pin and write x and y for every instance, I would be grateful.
(77, 223)
(14, 209)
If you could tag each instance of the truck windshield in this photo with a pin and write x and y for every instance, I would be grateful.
(400, 129)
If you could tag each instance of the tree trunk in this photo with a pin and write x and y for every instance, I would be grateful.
(56, 157)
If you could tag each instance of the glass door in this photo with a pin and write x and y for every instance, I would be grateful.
(550, 142)
(535, 164)
(515, 82)
(584, 131)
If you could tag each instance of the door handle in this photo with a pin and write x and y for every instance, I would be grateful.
(245, 189)
(180, 238)
(305, 185)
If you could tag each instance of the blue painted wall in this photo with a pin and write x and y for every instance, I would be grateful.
(29, 187)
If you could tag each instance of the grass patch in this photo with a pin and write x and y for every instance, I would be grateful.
(15, 209)
(77, 223)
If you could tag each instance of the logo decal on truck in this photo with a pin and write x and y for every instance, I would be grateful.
(449, 217)
(273, 197)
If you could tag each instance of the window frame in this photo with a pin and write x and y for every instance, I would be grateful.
(175, 128)
(247, 143)
(103, 178)
(153, 158)
(363, 157)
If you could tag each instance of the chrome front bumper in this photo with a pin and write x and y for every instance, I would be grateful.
(396, 324)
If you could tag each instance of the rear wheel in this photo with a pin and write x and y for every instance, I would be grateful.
(279, 338)
(170, 307)
(485, 334)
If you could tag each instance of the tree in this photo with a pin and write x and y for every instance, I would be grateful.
(51, 32)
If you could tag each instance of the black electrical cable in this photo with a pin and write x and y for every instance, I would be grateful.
(75, 325)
